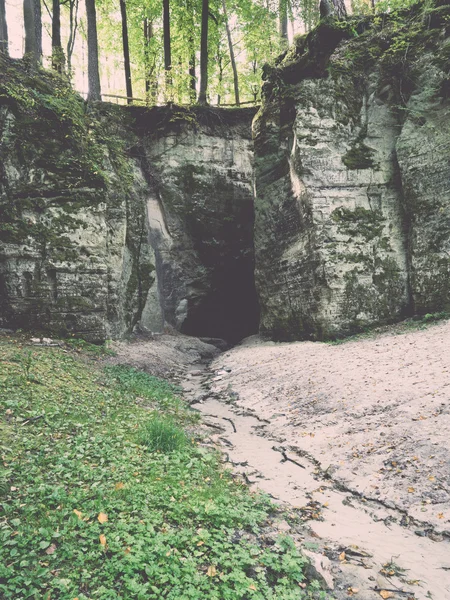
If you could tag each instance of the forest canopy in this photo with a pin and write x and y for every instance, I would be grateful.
(159, 51)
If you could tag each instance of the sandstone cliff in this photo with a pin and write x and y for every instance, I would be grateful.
(335, 217)
(352, 169)
(113, 217)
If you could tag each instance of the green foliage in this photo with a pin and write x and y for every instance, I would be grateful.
(359, 222)
(164, 395)
(359, 156)
(433, 317)
(97, 350)
(160, 434)
(178, 526)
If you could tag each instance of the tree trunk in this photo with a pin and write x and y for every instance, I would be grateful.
(148, 33)
(126, 51)
(192, 76)
(94, 93)
(231, 49)
(191, 51)
(58, 59)
(220, 78)
(283, 25)
(254, 86)
(3, 29)
(73, 25)
(204, 53)
(339, 9)
(33, 29)
(167, 41)
(151, 83)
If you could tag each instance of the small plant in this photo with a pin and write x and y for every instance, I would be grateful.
(4, 484)
(96, 350)
(438, 316)
(392, 569)
(160, 434)
(26, 360)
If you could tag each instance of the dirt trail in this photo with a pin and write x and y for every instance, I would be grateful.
(364, 427)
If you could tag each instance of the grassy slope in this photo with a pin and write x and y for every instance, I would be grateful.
(178, 526)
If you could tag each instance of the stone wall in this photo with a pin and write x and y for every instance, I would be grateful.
(201, 220)
(72, 215)
(352, 167)
(116, 217)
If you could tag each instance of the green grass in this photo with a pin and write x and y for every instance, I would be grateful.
(160, 434)
(76, 441)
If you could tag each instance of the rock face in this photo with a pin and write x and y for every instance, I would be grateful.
(201, 221)
(336, 217)
(352, 169)
(112, 218)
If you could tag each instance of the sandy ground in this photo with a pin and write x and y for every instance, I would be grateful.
(167, 356)
(374, 413)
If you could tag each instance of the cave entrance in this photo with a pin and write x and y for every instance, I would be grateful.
(222, 302)
(230, 311)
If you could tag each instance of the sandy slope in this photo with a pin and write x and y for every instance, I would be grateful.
(374, 412)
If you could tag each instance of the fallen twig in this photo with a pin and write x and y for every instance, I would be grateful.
(214, 426)
(226, 442)
(31, 419)
(394, 591)
(232, 423)
(286, 457)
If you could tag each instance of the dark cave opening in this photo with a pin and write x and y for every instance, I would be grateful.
(222, 302)
(230, 311)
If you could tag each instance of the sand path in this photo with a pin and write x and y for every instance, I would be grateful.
(369, 420)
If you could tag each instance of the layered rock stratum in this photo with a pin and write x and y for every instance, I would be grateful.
(335, 217)
(352, 171)
(113, 218)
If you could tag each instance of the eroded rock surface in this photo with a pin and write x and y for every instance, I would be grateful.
(352, 169)
(113, 218)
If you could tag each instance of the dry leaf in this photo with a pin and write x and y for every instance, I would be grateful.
(252, 587)
(102, 517)
(119, 486)
(385, 594)
(440, 515)
(102, 539)
(78, 513)
(432, 478)
(211, 571)
(127, 550)
(51, 549)
(342, 556)
(410, 490)
(200, 543)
